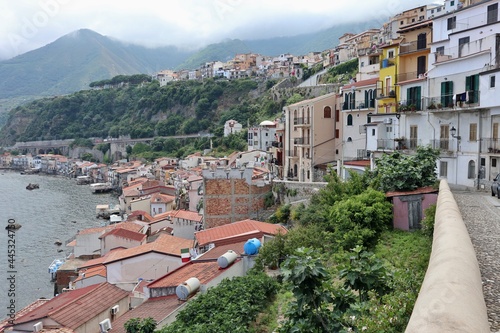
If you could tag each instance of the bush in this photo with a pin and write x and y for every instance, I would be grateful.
(428, 221)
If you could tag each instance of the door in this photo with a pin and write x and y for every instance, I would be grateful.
(414, 214)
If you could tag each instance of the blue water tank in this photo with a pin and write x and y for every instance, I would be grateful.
(385, 63)
(252, 246)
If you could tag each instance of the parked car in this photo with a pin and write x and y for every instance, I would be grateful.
(495, 186)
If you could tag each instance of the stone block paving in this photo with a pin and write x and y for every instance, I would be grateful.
(481, 214)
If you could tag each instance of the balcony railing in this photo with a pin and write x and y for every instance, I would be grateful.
(472, 47)
(414, 46)
(301, 121)
(473, 21)
(466, 100)
(490, 145)
(409, 76)
(277, 144)
(441, 144)
(386, 92)
(385, 144)
(301, 141)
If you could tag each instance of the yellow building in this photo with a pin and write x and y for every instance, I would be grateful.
(387, 91)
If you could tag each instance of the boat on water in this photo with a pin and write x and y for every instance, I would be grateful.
(105, 211)
(101, 187)
(32, 186)
(83, 180)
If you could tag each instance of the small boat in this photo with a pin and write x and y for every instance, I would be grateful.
(32, 186)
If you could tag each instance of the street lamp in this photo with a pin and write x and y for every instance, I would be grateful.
(453, 132)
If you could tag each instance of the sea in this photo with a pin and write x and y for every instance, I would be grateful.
(53, 213)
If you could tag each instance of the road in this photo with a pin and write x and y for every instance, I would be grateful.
(481, 215)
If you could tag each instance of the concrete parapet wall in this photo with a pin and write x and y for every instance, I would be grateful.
(291, 192)
(451, 297)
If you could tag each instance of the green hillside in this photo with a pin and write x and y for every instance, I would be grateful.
(139, 110)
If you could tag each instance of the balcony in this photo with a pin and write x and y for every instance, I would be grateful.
(486, 44)
(490, 146)
(462, 101)
(387, 92)
(441, 144)
(414, 46)
(301, 141)
(472, 21)
(301, 121)
(409, 76)
(277, 144)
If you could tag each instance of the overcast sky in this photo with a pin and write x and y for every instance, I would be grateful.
(29, 24)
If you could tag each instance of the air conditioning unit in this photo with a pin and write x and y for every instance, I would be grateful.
(115, 309)
(38, 327)
(105, 325)
(388, 121)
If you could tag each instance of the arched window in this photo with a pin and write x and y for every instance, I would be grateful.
(471, 170)
(349, 139)
(349, 120)
(327, 112)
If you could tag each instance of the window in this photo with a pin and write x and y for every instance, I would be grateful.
(373, 131)
(337, 134)
(471, 170)
(447, 93)
(327, 112)
(444, 137)
(337, 115)
(440, 50)
(493, 162)
(413, 136)
(452, 23)
(492, 81)
(495, 131)
(349, 120)
(414, 97)
(462, 41)
(452, 3)
(473, 132)
(422, 41)
(492, 13)
(443, 169)
(390, 54)
(472, 88)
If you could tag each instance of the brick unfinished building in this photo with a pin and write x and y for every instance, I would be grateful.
(231, 195)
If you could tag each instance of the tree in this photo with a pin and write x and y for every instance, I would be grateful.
(138, 325)
(398, 172)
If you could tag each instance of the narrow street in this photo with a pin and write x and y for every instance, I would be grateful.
(481, 215)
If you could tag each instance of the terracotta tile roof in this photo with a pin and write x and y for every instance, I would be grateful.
(92, 271)
(216, 252)
(161, 198)
(74, 308)
(205, 237)
(72, 243)
(166, 244)
(124, 233)
(188, 215)
(98, 261)
(204, 271)
(422, 190)
(30, 307)
(125, 225)
(163, 216)
(362, 83)
(57, 330)
(157, 308)
(363, 163)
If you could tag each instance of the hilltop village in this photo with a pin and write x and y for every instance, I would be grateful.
(425, 77)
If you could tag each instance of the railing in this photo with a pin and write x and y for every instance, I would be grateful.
(362, 154)
(410, 105)
(301, 141)
(385, 144)
(464, 50)
(277, 144)
(472, 21)
(386, 92)
(301, 121)
(441, 144)
(465, 100)
(490, 145)
(416, 45)
(409, 76)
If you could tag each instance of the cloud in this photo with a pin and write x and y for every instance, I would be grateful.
(29, 24)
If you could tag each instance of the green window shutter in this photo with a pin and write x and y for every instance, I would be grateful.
(408, 96)
(418, 98)
(443, 93)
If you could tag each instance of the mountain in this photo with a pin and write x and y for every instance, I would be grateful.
(73, 61)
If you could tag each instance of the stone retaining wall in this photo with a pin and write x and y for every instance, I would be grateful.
(451, 298)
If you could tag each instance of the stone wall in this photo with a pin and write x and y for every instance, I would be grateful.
(289, 192)
(451, 297)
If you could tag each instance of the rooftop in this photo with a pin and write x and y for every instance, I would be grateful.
(203, 271)
(208, 236)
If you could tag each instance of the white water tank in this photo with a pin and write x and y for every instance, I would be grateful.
(227, 259)
(190, 286)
